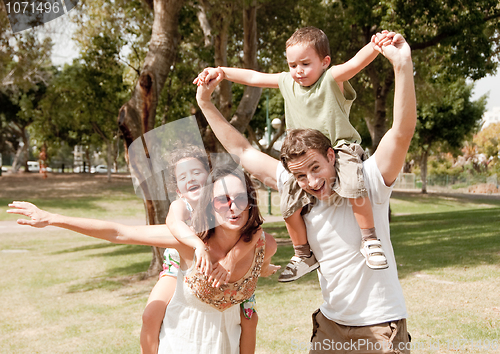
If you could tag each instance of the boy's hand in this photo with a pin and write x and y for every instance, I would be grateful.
(269, 270)
(203, 260)
(383, 38)
(219, 276)
(39, 218)
(207, 75)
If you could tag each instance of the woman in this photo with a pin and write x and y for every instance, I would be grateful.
(199, 318)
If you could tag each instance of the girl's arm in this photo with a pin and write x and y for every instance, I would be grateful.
(176, 222)
(241, 76)
(149, 235)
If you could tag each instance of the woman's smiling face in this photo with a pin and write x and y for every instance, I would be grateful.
(230, 202)
(191, 176)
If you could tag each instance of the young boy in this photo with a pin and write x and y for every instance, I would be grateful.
(318, 98)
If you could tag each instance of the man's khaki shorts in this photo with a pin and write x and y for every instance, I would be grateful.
(384, 338)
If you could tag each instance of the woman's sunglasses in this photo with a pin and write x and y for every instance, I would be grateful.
(223, 203)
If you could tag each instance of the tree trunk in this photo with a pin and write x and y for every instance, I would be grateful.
(251, 95)
(137, 116)
(377, 125)
(108, 158)
(19, 158)
(220, 21)
(423, 170)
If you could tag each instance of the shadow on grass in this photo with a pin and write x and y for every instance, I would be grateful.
(450, 239)
(428, 241)
(443, 199)
(115, 277)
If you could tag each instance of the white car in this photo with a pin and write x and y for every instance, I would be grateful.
(103, 169)
(33, 166)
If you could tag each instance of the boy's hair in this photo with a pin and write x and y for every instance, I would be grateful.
(187, 152)
(298, 141)
(311, 36)
(204, 215)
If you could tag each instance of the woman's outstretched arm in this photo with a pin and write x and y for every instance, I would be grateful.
(149, 235)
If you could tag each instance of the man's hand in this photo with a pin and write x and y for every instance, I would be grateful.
(393, 46)
(39, 218)
(205, 90)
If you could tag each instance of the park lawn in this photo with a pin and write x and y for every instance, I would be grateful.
(82, 195)
(65, 293)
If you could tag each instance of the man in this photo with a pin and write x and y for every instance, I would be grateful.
(363, 309)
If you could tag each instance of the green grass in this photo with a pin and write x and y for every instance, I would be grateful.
(100, 200)
(66, 293)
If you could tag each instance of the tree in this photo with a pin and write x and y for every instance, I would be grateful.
(488, 143)
(459, 39)
(137, 116)
(24, 75)
(446, 118)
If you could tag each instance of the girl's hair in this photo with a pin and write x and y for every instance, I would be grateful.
(204, 215)
(186, 152)
(311, 36)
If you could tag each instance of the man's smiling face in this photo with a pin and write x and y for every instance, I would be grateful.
(315, 173)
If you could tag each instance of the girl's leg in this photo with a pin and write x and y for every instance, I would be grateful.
(248, 336)
(154, 313)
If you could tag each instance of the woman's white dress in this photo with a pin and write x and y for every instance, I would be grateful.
(203, 320)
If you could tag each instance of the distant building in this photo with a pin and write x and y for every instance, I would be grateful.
(490, 117)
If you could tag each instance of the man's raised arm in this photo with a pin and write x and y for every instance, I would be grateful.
(392, 149)
(261, 166)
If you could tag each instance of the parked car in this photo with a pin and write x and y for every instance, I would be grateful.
(79, 169)
(103, 169)
(33, 166)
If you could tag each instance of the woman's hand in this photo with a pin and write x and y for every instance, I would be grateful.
(269, 270)
(39, 218)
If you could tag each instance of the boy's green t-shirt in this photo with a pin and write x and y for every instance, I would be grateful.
(321, 106)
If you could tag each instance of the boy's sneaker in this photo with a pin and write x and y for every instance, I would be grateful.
(374, 254)
(298, 267)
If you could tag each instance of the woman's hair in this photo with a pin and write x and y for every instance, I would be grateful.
(186, 152)
(204, 215)
(313, 37)
(298, 141)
